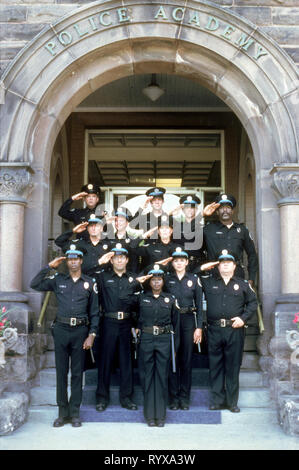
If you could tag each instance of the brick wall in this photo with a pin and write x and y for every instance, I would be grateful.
(21, 20)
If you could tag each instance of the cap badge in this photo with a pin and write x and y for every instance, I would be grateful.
(224, 196)
(179, 249)
(156, 267)
(73, 247)
(118, 246)
(92, 216)
(224, 252)
(189, 198)
(90, 186)
(156, 190)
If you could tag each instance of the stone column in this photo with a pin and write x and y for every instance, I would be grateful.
(284, 379)
(286, 187)
(15, 186)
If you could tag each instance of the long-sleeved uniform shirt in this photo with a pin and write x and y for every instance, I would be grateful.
(152, 251)
(92, 252)
(235, 299)
(77, 216)
(188, 292)
(218, 237)
(75, 299)
(116, 293)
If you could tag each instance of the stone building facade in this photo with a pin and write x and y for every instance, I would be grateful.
(56, 54)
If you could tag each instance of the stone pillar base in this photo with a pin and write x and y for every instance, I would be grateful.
(284, 376)
(13, 411)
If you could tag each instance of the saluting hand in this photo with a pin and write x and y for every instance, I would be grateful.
(165, 261)
(210, 209)
(208, 266)
(56, 262)
(106, 258)
(80, 227)
(142, 279)
(78, 196)
(149, 232)
(147, 202)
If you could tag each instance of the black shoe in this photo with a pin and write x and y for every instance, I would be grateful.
(235, 409)
(128, 404)
(76, 422)
(216, 407)
(174, 405)
(151, 422)
(59, 422)
(160, 423)
(184, 406)
(101, 406)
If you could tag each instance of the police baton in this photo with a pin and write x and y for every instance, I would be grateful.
(43, 310)
(173, 352)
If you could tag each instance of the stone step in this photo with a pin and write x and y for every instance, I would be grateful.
(254, 397)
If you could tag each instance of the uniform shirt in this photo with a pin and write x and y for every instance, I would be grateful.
(160, 311)
(235, 299)
(188, 292)
(93, 252)
(189, 235)
(77, 216)
(218, 237)
(75, 299)
(116, 293)
(154, 250)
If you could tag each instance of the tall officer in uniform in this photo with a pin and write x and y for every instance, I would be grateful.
(116, 294)
(90, 194)
(229, 235)
(188, 228)
(158, 321)
(231, 301)
(122, 219)
(147, 221)
(188, 291)
(92, 243)
(74, 328)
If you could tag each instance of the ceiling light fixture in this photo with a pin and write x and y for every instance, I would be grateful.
(153, 91)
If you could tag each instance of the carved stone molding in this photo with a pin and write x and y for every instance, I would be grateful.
(286, 183)
(15, 182)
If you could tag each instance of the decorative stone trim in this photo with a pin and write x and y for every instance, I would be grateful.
(286, 183)
(15, 182)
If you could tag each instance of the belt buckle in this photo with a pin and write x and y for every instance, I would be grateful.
(73, 321)
(155, 330)
(120, 315)
(222, 322)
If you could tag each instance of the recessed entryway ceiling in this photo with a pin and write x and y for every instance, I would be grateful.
(180, 94)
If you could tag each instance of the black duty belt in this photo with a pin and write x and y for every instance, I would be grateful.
(72, 321)
(117, 315)
(157, 330)
(222, 322)
(186, 310)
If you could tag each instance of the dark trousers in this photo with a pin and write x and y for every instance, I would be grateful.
(180, 382)
(68, 342)
(225, 347)
(155, 352)
(115, 333)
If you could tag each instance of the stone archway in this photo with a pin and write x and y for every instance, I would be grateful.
(106, 40)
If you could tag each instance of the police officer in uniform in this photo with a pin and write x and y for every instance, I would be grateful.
(188, 291)
(229, 235)
(116, 294)
(152, 251)
(147, 221)
(231, 301)
(158, 321)
(188, 228)
(74, 328)
(93, 244)
(122, 219)
(90, 194)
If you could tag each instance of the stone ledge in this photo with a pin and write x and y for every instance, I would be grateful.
(289, 414)
(13, 411)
